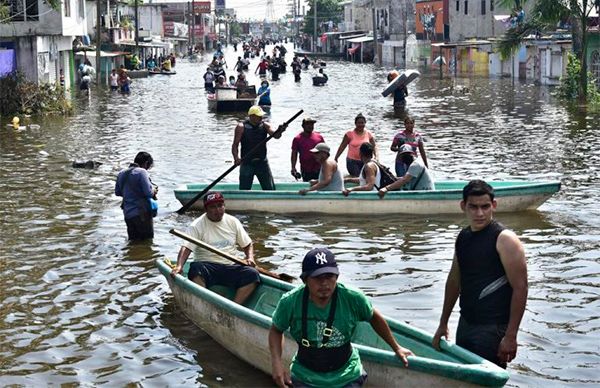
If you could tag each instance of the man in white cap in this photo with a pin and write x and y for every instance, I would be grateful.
(330, 176)
(251, 133)
(417, 176)
(330, 313)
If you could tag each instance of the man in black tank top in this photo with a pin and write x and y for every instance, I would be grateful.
(489, 273)
(250, 134)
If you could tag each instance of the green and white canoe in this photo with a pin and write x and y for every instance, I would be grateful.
(512, 196)
(243, 330)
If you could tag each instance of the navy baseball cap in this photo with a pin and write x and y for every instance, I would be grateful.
(319, 261)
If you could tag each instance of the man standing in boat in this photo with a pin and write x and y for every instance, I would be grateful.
(251, 133)
(223, 231)
(302, 145)
(322, 316)
(489, 274)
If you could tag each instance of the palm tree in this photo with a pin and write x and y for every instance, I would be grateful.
(545, 15)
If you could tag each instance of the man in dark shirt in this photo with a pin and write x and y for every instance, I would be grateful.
(134, 185)
(251, 133)
(489, 273)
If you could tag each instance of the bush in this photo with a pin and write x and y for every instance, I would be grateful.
(17, 95)
(569, 84)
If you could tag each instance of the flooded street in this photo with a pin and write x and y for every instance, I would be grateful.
(80, 305)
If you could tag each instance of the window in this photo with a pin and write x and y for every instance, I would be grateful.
(22, 10)
(67, 8)
(595, 66)
(492, 5)
(457, 5)
(483, 6)
(466, 7)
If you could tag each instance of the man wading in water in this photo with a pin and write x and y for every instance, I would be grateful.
(489, 273)
(322, 316)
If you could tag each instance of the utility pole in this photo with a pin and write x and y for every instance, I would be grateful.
(98, 39)
(193, 24)
(315, 29)
(189, 23)
(137, 28)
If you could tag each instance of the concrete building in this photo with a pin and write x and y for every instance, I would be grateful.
(42, 38)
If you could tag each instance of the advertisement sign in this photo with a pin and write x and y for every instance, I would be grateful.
(202, 7)
(169, 28)
(219, 5)
(199, 30)
(429, 20)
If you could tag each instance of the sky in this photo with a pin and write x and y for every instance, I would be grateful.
(257, 9)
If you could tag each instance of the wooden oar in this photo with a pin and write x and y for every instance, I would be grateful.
(283, 127)
(208, 247)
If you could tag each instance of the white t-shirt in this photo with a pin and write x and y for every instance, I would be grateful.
(223, 235)
(114, 79)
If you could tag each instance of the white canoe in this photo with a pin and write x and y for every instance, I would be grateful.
(512, 196)
(243, 330)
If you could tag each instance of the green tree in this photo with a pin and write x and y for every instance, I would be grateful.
(326, 10)
(235, 29)
(545, 16)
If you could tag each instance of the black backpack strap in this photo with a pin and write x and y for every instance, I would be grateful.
(328, 328)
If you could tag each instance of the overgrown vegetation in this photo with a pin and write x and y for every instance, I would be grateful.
(17, 95)
(545, 16)
(326, 10)
(570, 82)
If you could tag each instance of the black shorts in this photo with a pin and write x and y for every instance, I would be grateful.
(481, 339)
(235, 275)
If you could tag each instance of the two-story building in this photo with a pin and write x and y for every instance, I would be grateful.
(41, 38)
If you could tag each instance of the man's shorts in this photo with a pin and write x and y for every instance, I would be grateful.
(481, 339)
(235, 275)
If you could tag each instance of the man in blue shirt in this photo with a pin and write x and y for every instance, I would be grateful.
(134, 185)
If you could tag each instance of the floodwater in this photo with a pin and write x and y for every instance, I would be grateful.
(80, 305)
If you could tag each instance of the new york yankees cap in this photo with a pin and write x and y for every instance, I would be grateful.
(319, 261)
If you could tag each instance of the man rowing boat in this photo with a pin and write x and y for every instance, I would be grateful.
(222, 231)
(322, 316)
(249, 134)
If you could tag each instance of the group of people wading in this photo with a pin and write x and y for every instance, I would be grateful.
(324, 173)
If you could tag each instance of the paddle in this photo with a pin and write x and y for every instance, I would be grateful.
(208, 247)
(282, 128)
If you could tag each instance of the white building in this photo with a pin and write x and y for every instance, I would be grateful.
(42, 38)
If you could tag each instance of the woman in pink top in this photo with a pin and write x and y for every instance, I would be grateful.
(353, 139)
(412, 138)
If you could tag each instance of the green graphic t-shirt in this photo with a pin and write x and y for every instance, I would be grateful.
(352, 308)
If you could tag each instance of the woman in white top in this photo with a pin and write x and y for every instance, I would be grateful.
(370, 177)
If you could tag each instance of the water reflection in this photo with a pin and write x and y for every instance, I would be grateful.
(80, 305)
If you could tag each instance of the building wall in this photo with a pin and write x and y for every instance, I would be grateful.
(49, 23)
(473, 23)
(151, 17)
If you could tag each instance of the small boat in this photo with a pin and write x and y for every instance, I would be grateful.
(161, 72)
(319, 81)
(232, 100)
(243, 330)
(512, 196)
(143, 73)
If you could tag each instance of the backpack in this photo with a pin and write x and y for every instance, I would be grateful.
(387, 177)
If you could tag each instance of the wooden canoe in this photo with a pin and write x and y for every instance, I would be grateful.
(512, 196)
(243, 330)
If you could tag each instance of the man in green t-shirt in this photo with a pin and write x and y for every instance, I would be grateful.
(322, 316)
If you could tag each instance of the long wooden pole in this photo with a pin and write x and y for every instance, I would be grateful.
(98, 39)
(185, 207)
(210, 248)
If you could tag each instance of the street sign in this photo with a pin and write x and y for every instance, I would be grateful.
(219, 5)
